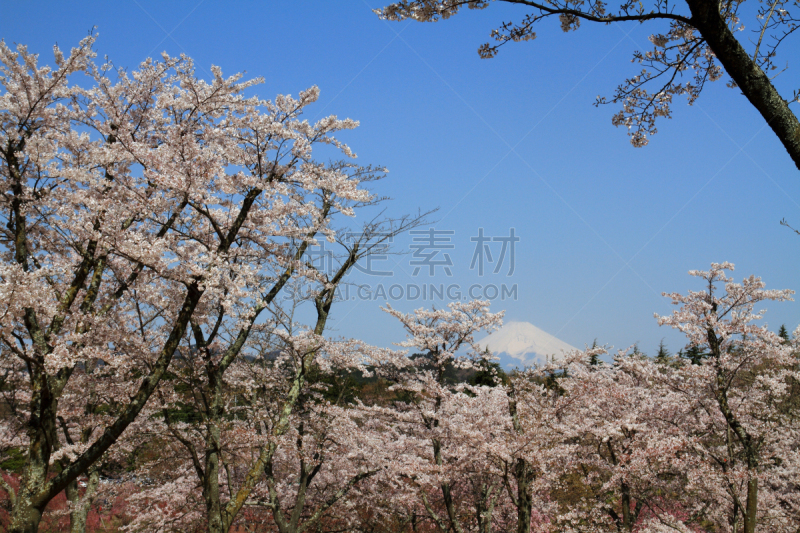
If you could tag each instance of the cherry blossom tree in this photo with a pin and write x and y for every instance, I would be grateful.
(741, 391)
(432, 414)
(671, 445)
(303, 464)
(130, 204)
(217, 366)
(674, 445)
(693, 43)
(614, 447)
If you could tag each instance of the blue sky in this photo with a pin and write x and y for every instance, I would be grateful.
(511, 142)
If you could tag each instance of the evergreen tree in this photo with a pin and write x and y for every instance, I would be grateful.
(594, 359)
(695, 354)
(784, 334)
(489, 373)
(663, 355)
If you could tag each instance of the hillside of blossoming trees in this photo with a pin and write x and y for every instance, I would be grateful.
(153, 380)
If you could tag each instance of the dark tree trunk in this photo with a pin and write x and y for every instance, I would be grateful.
(753, 82)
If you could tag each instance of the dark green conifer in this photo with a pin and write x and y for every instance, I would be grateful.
(784, 334)
(695, 354)
(489, 373)
(594, 360)
(663, 355)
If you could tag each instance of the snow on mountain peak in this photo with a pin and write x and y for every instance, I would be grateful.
(525, 342)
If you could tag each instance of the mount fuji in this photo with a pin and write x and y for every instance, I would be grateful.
(523, 344)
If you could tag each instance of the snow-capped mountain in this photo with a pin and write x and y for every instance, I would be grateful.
(525, 343)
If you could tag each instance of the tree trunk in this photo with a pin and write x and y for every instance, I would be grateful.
(752, 505)
(26, 517)
(627, 518)
(522, 473)
(484, 504)
(749, 446)
(524, 500)
(211, 481)
(754, 82)
(41, 432)
(447, 494)
(80, 506)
